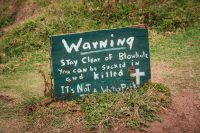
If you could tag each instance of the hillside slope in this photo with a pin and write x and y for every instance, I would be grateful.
(174, 34)
(60, 17)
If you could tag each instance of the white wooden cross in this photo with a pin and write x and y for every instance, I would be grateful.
(137, 74)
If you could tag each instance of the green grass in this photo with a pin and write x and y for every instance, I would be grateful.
(9, 110)
(29, 38)
(181, 53)
(46, 119)
(174, 39)
(134, 108)
(99, 112)
(9, 10)
(179, 47)
(23, 85)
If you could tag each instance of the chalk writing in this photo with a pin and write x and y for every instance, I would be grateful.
(100, 61)
(98, 46)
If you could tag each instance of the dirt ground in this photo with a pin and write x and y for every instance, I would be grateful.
(184, 114)
(182, 117)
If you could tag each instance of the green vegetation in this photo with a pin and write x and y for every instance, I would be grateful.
(184, 46)
(7, 15)
(180, 53)
(24, 49)
(7, 111)
(10, 8)
(31, 37)
(100, 112)
(134, 108)
(46, 119)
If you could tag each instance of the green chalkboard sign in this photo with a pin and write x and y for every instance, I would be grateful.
(100, 61)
